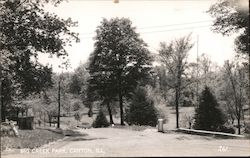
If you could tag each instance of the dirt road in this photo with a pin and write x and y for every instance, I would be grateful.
(123, 142)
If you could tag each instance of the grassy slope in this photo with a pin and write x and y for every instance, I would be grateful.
(30, 139)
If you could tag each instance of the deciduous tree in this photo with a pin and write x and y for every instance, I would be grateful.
(119, 62)
(26, 30)
(174, 57)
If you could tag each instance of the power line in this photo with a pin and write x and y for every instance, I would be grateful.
(160, 26)
(175, 24)
(187, 28)
(139, 0)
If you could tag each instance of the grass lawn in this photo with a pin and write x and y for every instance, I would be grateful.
(30, 139)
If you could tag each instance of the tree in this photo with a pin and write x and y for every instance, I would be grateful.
(141, 110)
(161, 80)
(174, 57)
(83, 76)
(49, 106)
(26, 30)
(101, 120)
(119, 62)
(208, 116)
(56, 97)
(235, 94)
(75, 85)
(232, 16)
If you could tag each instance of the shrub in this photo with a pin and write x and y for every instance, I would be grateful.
(77, 116)
(76, 105)
(101, 120)
(141, 110)
(226, 129)
(208, 116)
(247, 128)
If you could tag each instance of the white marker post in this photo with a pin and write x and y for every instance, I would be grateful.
(160, 125)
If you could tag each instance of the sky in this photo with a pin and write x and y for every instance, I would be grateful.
(156, 21)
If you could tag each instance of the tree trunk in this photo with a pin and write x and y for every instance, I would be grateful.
(177, 107)
(3, 113)
(50, 121)
(110, 113)
(177, 91)
(232, 121)
(238, 125)
(59, 105)
(121, 108)
(249, 79)
(120, 98)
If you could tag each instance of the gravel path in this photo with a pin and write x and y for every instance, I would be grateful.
(113, 142)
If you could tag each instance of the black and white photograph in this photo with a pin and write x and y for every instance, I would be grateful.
(124, 78)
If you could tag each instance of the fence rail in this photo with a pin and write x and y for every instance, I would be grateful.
(202, 132)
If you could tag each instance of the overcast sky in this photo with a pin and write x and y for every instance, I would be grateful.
(156, 21)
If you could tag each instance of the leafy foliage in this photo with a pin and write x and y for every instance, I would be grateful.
(26, 30)
(76, 105)
(75, 85)
(208, 116)
(101, 120)
(174, 57)
(232, 16)
(119, 61)
(234, 90)
(141, 110)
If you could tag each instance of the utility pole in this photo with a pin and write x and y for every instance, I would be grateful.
(197, 71)
(1, 81)
(1, 101)
(59, 103)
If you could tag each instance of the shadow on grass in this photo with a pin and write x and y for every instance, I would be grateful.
(66, 132)
(72, 133)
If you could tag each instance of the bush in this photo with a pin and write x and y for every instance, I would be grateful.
(141, 110)
(208, 116)
(101, 120)
(226, 129)
(76, 105)
(77, 116)
(247, 128)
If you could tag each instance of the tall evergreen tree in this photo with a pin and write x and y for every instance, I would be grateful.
(101, 120)
(208, 116)
(141, 110)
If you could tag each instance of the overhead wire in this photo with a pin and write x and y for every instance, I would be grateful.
(149, 27)
(158, 31)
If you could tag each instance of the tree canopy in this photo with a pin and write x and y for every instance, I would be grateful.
(120, 60)
(232, 16)
(174, 57)
(26, 30)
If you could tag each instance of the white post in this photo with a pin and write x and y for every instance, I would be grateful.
(160, 125)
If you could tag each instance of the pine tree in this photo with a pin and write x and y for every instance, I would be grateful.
(101, 120)
(142, 110)
(208, 116)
